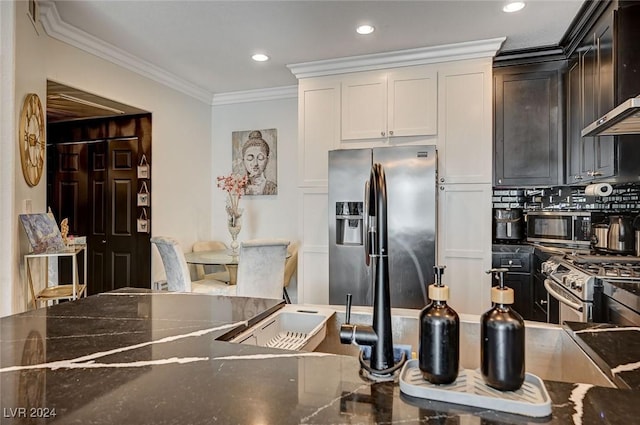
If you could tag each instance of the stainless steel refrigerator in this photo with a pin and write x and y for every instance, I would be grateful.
(411, 199)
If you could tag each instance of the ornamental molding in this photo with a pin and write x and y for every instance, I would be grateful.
(420, 56)
(56, 28)
(275, 93)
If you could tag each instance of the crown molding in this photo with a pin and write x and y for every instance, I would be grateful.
(274, 93)
(419, 56)
(56, 28)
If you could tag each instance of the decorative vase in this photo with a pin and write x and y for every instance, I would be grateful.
(234, 225)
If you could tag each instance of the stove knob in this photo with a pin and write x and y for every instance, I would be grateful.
(577, 284)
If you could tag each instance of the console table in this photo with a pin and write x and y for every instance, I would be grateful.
(71, 291)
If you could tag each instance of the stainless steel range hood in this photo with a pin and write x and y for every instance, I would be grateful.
(623, 119)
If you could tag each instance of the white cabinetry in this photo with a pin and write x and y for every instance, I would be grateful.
(382, 104)
(318, 128)
(318, 133)
(464, 244)
(465, 146)
(449, 101)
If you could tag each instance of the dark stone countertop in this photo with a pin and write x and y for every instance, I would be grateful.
(615, 349)
(139, 357)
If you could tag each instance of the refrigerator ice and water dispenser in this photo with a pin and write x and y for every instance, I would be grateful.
(349, 223)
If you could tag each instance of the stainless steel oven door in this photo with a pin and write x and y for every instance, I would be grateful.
(572, 308)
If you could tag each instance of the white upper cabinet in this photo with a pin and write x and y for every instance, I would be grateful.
(382, 104)
(318, 128)
(465, 136)
(364, 106)
(413, 102)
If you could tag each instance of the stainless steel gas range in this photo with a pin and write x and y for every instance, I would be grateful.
(577, 282)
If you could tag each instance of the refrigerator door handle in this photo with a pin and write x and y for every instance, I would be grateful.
(365, 225)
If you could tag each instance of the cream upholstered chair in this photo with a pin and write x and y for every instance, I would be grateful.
(201, 272)
(290, 267)
(261, 268)
(177, 270)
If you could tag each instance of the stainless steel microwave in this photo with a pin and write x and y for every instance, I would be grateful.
(568, 227)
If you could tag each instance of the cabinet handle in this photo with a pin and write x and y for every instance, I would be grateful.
(382, 133)
(441, 187)
(442, 180)
(594, 173)
(577, 177)
(391, 133)
(543, 302)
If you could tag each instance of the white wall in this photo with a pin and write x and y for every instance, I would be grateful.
(30, 65)
(265, 216)
(182, 175)
(8, 222)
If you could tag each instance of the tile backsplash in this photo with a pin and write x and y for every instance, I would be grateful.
(624, 198)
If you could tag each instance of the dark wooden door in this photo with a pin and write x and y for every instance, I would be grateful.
(70, 188)
(93, 181)
(112, 225)
(69, 194)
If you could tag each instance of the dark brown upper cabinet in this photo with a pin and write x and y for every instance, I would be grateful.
(603, 72)
(590, 85)
(528, 124)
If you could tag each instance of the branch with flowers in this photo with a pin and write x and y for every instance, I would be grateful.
(234, 185)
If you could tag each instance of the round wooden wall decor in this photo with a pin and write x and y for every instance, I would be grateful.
(31, 139)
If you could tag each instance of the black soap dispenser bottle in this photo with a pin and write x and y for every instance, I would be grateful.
(502, 340)
(439, 350)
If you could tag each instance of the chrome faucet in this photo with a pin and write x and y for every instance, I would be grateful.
(379, 335)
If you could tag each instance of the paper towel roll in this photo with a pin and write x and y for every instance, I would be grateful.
(598, 189)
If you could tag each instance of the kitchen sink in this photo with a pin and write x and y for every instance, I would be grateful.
(550, 352)
(293, 327)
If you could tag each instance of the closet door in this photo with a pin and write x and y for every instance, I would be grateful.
(112, 213)
(95, 186)
(92, 178)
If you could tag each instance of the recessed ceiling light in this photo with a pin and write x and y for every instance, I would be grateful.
(365, 29)
(513, 6)
(260, 57)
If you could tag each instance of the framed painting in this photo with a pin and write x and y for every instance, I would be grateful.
(43, 232)
(254, 154)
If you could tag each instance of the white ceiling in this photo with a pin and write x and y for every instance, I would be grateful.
(209, 43)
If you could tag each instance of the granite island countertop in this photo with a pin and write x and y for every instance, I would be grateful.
(615, 349)
(143, 357)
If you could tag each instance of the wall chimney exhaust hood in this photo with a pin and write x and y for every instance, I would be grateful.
(623, 119)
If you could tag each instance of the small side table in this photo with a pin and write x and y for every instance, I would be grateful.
(71, 291)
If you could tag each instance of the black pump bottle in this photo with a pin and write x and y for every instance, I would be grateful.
(502, 340)
(439, 351)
